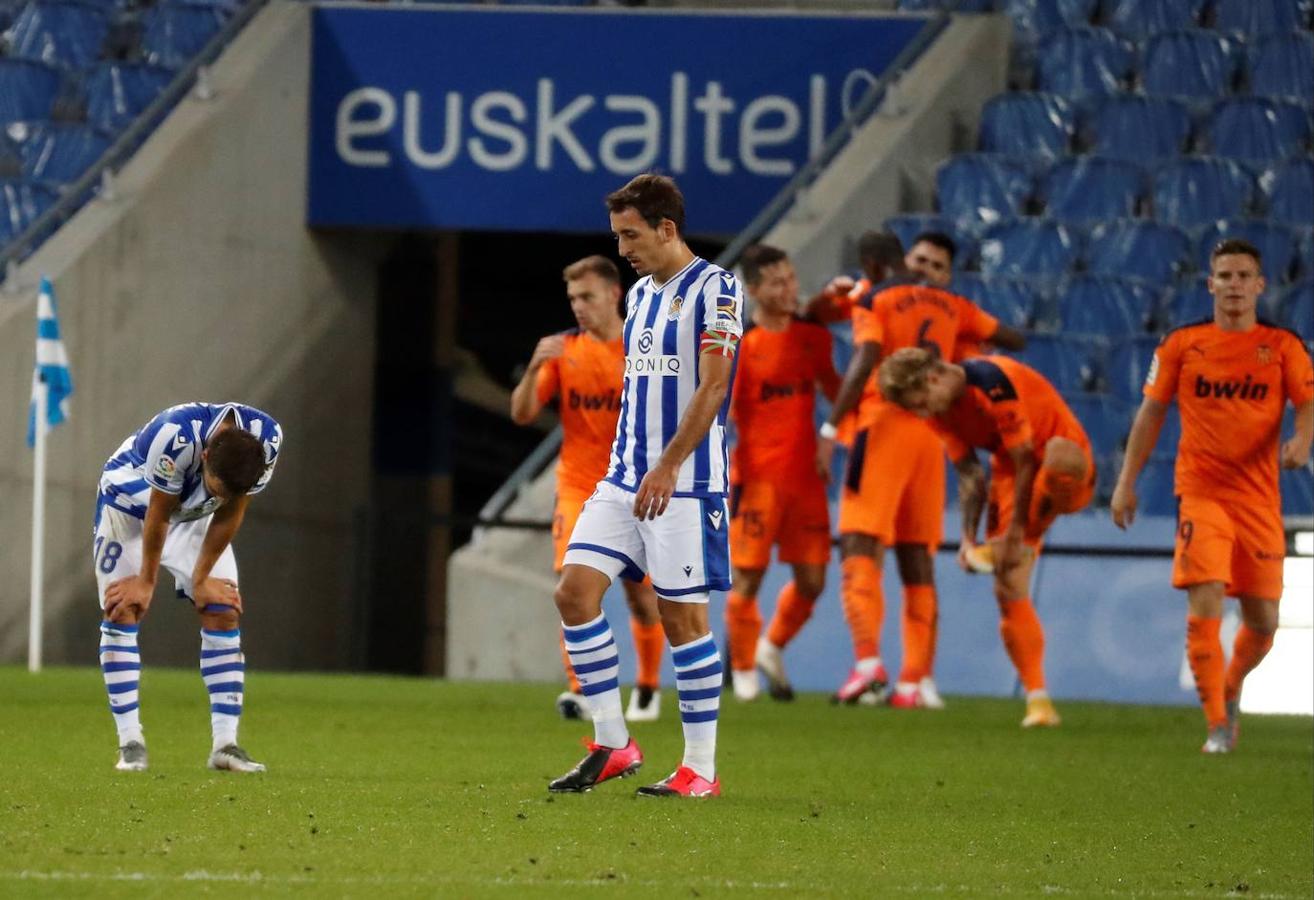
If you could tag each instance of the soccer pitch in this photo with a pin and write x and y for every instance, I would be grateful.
(406, 787)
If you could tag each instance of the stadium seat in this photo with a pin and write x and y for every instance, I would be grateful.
(27, 90)
(966, 6)
(1138, 129)
(1082, 63)
(1296, 309)
(1105, 419)
(1257, 130)
(1013, 301)
(1102, 304)
(906, 227)
(1251, 19)
(1089, 189)
(977, 189)
(60, 153)
(58, 33)
(174, 34)
(1193, 64)
(1028, 247)
(1126, 365)
(1170, 435)
(1283, 66)
(1155, 486)
(1289, 187)
(1037, 127)
(1148, 250)
(1276, 244)
(1305, 251)
(20, 205)
(1139, 19)
(118, 92)
(1072, 364)
(1296, 487)
(1190, 301)
(1038, 17)
(1201, 189)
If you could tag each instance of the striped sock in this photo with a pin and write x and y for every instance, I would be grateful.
(592, 650)
(223, 667)
(698, 676)
(120, 662)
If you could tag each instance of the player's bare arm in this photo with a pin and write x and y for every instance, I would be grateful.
(820, 307)
(1295, 450)
(972, 490)
(1011, 551)
(127, 599)
(524, 399)
(224, 525)
(1140, 443)
(865, 358)
(1008, 338)
(655, 491)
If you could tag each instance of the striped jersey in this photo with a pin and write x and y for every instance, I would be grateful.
(664, 328)
(166, 455)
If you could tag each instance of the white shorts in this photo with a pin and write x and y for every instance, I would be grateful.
(116, 551)
(686, 549)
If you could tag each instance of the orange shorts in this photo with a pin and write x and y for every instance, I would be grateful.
(894, 486)
(795, 517)
(1052, 494)
(1240, 544)
(565, 513)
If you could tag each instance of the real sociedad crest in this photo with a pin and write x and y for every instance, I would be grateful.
(674, 312)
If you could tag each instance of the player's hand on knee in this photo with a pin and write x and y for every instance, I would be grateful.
(127, 599)
(217, 592)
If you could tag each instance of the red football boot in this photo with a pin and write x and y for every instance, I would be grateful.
(601, 764)
(683, 782)
(859, 684)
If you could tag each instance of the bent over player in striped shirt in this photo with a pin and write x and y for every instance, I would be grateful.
(174, 495)
(661, 507)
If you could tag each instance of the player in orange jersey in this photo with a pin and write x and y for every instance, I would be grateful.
(582, 369)
(894, 486)
(778, 496)
(1232, 377)
(1040, 467)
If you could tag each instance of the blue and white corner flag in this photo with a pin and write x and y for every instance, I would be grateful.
(51, 365)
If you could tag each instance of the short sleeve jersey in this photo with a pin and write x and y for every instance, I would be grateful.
(586, 381)
(1231, 388)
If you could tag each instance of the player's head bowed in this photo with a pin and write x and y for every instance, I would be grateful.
(236, 459)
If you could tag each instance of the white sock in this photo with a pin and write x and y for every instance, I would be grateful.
(592, 650)
(868, 665)
(698, 677)
(223, 668)
(120, 663)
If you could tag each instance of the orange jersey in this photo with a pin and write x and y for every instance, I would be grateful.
(775, 399)
(905, 312)
(1231, 388)
(586, 379)
(1006, 404)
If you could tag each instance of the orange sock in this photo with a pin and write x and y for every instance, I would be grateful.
(792, 611)
(918, 631)
(570, 670)
(743, 624)
(649, 644)
(1024, 639)
(1205, 652)
(1248, 651)
(864, 604)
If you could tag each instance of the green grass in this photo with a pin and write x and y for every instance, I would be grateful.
(389, 787)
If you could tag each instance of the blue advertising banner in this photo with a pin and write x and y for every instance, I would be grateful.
(504, 119)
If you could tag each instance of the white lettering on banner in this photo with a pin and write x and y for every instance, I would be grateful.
(749, 135)
(652, 365)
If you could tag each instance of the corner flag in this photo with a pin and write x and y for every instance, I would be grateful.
(51, 366)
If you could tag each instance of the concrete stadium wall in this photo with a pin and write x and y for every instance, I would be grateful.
(198, 281)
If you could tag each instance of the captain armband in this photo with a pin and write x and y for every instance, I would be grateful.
(722, 343)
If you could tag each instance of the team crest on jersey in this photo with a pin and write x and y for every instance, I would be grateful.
(676, 305)
(165, 467)
(1264, 354)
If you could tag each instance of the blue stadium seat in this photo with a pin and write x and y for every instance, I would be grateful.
(1037, 127)
(1138, 129)
(1128, 361)
(1257, 130)
(1139, 19)
(27, 90)
(1296, 309)
(20, 204)
(1305, 250)
(58, 33)
(1102, 304)
(1105, 419)
(1276, 244)
(1194, 64)
(1028, 247)
(1296, 487)
(1089, 189)
(1289, 187)
(1013, 301)
(1198, 190)
(976, 189)
(1251, 19)
(1082, 63)
(907, 226)
(1190, 301)
(1037, 17)
(1283, 66)
(1072, 364)
(1155, 486)
(1170, 435)
(174, 34)
(118, 92)
(1151, 251)
(60, 153)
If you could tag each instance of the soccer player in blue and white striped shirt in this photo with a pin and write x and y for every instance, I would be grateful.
(661, 507)
(173, 496)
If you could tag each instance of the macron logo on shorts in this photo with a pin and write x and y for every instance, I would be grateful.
(715, 517)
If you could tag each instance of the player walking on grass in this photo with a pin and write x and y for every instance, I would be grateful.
(174, 495)
(777, 496)
(661, 507)
(1040, 467)
(583, 369)
(1232, 377)
(894, 486)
